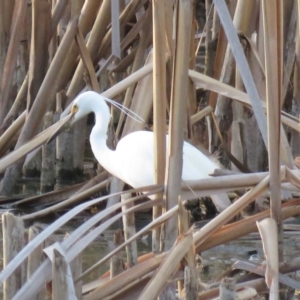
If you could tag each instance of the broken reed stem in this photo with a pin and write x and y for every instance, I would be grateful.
(187, 288)
(273, 35)
(159, 106)
(129, 230)
(179, 93)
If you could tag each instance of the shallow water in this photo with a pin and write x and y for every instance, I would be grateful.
(215, 260)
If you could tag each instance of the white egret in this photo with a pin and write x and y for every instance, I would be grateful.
(133, 159)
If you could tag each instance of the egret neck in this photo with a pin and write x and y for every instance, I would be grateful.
(98, 138)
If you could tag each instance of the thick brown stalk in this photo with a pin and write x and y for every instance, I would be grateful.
(159, 104)
(6, 11)
(272, 20)
(11, 57)
(41, 12)
(177, 114)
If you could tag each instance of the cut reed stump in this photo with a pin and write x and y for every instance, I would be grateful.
(227, 289)
(129, 231)
(116, 262)
(13, 242)
(35, 259)
(64, 150)
(62, 282)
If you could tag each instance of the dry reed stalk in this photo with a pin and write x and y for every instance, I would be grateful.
(142, 91)
(236, 181)
(115, 28)
(296, 91)
(219, 58)
(48, 158)
(208, 38)
(237, 127)
(11, 132)
(136, 28)
(17, 24)
(269, 228)
(129, 231)
(37, 141)
(76, 269)
(289, 51)
(237, 163)
(87, 61)
(201, 114)
(16, 106)
(191, 97)
(272, 18)
(159, 106)
(187, 288)
(169, 26)
(62, 281)
(13, 242)
(131, 92)
(179, 88)
(292, 177)
(57, 14)
(38, 63)
(5, 24)
(125, 62)
(35, 259)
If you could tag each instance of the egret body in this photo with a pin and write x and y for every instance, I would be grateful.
(133, 159)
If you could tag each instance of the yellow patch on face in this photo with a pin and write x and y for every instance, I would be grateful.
(74, 109)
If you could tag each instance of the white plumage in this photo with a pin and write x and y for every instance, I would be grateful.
(133, 159)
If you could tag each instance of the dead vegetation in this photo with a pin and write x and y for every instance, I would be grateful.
(227, 80)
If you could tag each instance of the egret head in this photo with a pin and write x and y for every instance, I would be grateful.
(84, 104)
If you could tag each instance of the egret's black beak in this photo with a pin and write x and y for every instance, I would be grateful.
(63, 126)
